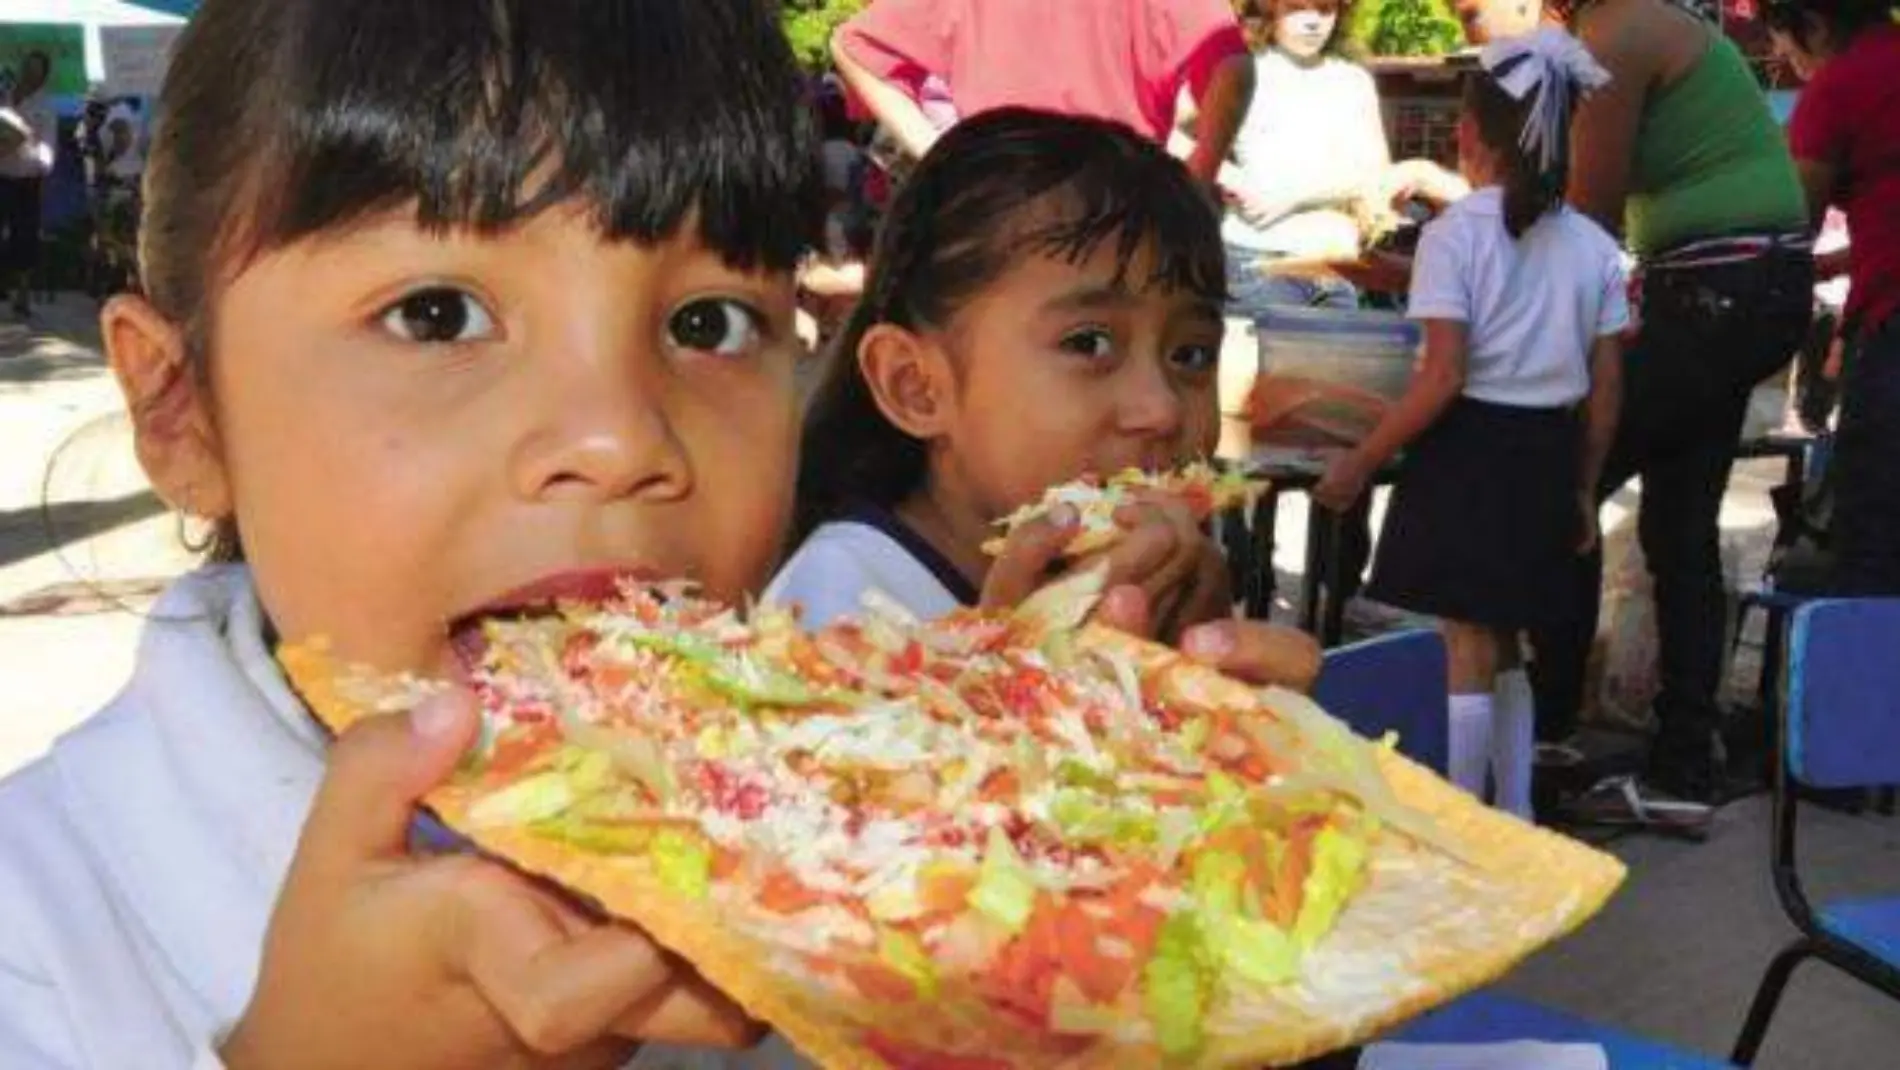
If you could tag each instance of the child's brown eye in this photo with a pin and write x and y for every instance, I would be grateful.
(1094, 343)
(1197, 358)
(720, 326)
(438, 315)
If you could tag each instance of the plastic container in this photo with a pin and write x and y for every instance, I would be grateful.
(1327, 376)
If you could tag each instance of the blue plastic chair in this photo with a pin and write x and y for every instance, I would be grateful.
(1398, 683)
(1394, 683)
(1840, 729)
(1489, 1018)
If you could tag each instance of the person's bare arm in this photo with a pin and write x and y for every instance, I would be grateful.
(1603, 134)
(891, 104)
(1601, 412)
(1820, 180)
(1606, 401)
(1439, 382)
(1182, 146)
(1221, 107)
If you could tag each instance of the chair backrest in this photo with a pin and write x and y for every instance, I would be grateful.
(1844, 693)
(1395, 683)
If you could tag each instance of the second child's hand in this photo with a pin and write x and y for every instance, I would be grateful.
(1161, 550)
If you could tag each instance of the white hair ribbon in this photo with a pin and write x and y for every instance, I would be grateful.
(1553, 66)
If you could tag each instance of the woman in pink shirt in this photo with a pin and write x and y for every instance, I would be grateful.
(1124, 60)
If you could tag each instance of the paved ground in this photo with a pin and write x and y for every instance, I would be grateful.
(77, 522)
(83, 544)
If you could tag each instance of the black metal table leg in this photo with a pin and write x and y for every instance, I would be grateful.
(1313, 577)
(1266, 515)
(1334, 628)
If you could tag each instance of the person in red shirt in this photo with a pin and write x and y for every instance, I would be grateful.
(1123, 60)
(1846, 140)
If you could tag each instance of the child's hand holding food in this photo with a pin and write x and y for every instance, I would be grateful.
(377, 958)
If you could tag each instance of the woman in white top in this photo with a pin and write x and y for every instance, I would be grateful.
(1312, 145)
(1523, 300)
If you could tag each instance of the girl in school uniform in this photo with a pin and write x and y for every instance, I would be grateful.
(1510, 415)
(1044, 302)
(412, 363)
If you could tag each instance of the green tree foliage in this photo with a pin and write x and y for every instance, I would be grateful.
(808, 25)
(1406, 28)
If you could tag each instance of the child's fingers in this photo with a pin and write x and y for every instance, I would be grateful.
(1027, 555)
(690, 1011)
(1161, 547)
(1256, 652)
(377, 771)
(1125, 609)
(557, 992)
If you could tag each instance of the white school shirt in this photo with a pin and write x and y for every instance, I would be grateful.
(1534, 306)
(33, 158)
(1312, 129)
(869, 550)
(140, 859)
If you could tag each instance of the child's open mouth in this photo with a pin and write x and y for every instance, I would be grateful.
(593, 585)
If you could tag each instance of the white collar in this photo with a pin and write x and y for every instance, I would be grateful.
(190, 790)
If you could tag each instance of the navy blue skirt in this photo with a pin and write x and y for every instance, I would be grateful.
(1484, 520)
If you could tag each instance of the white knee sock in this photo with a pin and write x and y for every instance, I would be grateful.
(1470, 741)
(1513, 742)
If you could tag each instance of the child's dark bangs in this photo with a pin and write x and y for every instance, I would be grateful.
(655, 113)
(1136, 211)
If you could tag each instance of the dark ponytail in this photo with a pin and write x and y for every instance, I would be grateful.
(1531, 190)
(1001, 186)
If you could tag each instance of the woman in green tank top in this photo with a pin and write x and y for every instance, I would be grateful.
(1682, 157)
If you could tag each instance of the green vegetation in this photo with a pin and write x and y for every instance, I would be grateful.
(808, 25)
(1405, 28)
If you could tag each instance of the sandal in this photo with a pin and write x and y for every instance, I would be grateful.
(1626, 802)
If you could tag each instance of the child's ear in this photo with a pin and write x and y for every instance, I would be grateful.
(910, 379)
(172, 426)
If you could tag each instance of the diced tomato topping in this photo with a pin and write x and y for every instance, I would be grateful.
(1022, 978)
(1000, 786)
(782, 893)
(517, 747)
(879, 982)
(910, 662)
(947, 836)
(725, 862)
(903, 1057)
(1022, 692)
(613, 676)
(1135, 921)
(1282, 902)
(1099, 977)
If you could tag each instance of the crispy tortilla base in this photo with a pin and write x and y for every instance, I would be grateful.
(1425, 928)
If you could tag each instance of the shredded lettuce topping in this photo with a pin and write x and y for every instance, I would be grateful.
(1005, 889)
